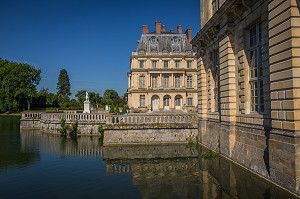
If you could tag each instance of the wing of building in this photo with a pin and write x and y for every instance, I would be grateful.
(248, 85)
(163, 71)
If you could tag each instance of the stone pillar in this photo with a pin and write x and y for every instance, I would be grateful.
(227, 79)
(183, 82)
(172, 79)
(202, 91)
(284, 42)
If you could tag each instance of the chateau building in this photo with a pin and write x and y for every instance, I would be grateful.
(248, 54)
(163, 71)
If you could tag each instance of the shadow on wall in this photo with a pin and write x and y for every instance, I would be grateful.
(298, 4)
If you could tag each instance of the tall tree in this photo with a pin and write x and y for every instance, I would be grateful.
(63, 84)
(80, 96)
(110, 97)
(18, 83)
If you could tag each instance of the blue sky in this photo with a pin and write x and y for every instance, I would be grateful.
(91, 39)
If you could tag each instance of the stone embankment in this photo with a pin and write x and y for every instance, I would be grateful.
(153, 128)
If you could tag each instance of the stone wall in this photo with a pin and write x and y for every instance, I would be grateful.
(149, 136)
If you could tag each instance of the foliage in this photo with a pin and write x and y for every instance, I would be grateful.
(18, 83)
(209, 154)
(190, 141)
(63, 84)
(94, 98)
(63, 127)
(110, 97)
(101, 132)
(74, 131)
(80, 95)
(66, 130)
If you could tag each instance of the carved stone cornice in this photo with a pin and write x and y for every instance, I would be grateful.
(232, 8)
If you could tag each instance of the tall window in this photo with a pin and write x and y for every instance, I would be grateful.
(177, 101)
(142, 100)
(166, 82)
(216, 78)
(154, 64)
(177, 81)
(189, 64)
(142, 64)
(189, 82)
(142, 82)
(166, 101)
(190, 101)
(166, 64)
(256, 72)
(177, 64)
(154, 81)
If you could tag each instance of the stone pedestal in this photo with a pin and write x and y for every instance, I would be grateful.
(87, 107)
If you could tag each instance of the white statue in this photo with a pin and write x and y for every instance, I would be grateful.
(86, 96)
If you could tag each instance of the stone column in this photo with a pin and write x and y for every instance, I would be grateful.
(227, 79)
(183, 82)
(172, 79)
(284, 42)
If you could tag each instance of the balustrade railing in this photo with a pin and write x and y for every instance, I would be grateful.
(70, 117)
(80, 117)
(32, 115)
(150, 119)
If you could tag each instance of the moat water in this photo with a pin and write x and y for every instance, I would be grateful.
(36, 165)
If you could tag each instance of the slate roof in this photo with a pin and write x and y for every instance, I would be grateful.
(165, 42)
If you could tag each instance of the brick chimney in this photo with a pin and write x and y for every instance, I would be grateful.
(145, 29)
(189, 35)
(172, 30)
(157, 27)
(179, 28)
(163, 28)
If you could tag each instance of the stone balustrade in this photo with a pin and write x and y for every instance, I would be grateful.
(31, 115)
(71, 117)
(132, 119)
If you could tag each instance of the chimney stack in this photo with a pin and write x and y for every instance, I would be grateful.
(179, 28)
(145, 29)
(157, 27)
(189, 35)
(163, 28)
(172, 30)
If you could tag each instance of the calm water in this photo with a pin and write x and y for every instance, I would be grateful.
(35, 165)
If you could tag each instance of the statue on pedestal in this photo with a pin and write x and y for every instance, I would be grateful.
(87, 104)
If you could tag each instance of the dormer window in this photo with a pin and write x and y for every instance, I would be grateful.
(175, 40)
(153, 40)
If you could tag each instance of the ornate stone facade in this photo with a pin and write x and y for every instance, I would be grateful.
(248, 84)
(163, 71)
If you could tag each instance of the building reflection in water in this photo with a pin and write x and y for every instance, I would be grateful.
(82, 146)
(171, 171)
(178, 171)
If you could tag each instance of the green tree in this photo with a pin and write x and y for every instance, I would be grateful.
(63, 84)
(95, 99)
(18, 83)
(110, 97)
(80, 96)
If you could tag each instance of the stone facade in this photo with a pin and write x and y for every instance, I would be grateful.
(163, 71)
(248, 71)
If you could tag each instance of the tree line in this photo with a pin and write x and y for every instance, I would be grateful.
(18, 91)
